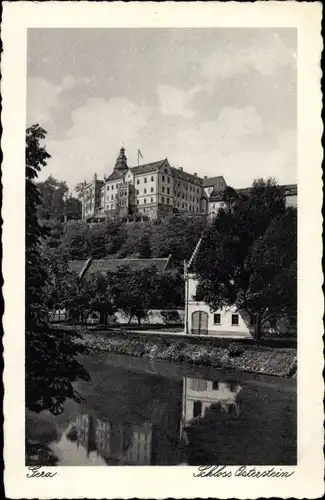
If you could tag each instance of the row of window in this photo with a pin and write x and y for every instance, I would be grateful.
(188, 197)
(145, 201)
(191, 188)
(152, 190)
(191, 208)
(112, 187)
(234, 319)
(145, 179)
(201, 385)
(167, 178)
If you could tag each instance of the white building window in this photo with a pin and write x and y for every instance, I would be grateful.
(217, 319)
(234, 319)
(152, 179)
(198, 384)
(145, 201)
(197, 409)
(152, 190)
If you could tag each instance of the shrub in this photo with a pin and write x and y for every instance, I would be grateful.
(235, 350)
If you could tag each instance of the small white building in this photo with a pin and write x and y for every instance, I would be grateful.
(201, 319)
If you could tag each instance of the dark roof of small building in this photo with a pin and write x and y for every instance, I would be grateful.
(148, 167)
(104, 265)
(213, 181)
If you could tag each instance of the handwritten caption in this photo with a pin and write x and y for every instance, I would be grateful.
(36, 472)
(222, 471)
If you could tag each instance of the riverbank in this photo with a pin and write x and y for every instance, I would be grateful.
(235, 355)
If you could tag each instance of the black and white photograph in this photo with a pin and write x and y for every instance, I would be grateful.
(162, 191)
(161, 259)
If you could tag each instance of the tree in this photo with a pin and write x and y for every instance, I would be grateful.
(51, 357)
(248, 255)
(56, 204)
(131, 291)
(73, 208)
(178, 236)
(53, 194)
(272, 288)
(79, 188)
(167, 290)
(100, 298)
(74, 242)
(137, 240)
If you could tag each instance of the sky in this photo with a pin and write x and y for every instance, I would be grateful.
(215, 101)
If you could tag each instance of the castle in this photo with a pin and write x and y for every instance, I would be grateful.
(155, 190)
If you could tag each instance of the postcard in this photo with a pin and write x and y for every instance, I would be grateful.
(162, 250)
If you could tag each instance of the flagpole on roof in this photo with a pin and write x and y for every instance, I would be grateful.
(139, 154)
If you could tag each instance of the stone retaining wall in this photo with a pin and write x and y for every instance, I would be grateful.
(275, 361)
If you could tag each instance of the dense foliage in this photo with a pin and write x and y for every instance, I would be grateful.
(176, 236)
(56, 202)
(249, 255)
(51, 357)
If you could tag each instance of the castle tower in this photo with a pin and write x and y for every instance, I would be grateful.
(121, 162)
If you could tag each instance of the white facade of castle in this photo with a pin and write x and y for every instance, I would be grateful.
(156, 190)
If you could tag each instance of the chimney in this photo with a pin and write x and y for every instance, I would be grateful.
(95, 177)
(205, 176)
(181, 169)
(195, 174)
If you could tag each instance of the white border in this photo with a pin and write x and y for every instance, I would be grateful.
(163, 482)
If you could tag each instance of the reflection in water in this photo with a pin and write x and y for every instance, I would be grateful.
(136, 418)
(199, 395)
(126, 443)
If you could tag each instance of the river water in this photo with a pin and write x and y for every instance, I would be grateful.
(143, 412)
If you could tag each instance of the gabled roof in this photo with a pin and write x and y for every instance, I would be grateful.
(104, 265)
(76, 266)
(189, 266)
(115, 175)
(213, 181)
(148, 167)
(216, 195)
